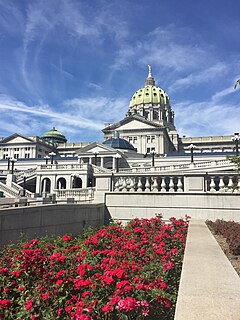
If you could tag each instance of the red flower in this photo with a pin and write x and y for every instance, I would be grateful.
(107, 308)
(66, 238)
(5, 303)
(29, 305)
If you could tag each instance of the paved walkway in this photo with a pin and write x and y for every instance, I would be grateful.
(209, 287)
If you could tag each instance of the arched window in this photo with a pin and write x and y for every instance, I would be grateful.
(46, 185)
(61, 183)
(77, 182)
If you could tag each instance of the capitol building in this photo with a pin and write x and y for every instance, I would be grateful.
(141, 157)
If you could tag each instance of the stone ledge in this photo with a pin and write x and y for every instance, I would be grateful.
(209, 286)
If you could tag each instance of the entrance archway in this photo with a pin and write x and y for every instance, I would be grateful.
(77, 182)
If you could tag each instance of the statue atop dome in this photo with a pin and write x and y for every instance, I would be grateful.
(150, 81)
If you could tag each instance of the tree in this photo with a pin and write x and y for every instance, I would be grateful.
(236, 161)
(237, 84)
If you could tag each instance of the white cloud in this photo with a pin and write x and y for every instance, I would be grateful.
(202, 76)
(44, 113)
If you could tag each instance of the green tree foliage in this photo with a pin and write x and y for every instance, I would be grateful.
(237, 83)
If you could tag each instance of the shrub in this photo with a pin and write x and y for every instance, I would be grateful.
(230, 230)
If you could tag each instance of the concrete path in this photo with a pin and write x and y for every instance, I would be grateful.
(209, 286)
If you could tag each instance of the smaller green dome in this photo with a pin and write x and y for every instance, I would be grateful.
(54, 136)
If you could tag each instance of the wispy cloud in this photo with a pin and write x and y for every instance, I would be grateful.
(201, 76)
(44, 111)
(213, 117)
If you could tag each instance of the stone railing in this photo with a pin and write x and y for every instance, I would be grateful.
(76, 193)
(10, 192)
(98, 169)
(73, 166)
(184, 166)
(28, 173)
(20, 189)
(222, 182)
(148, 184)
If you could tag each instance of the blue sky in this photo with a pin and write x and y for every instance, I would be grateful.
(75, 64)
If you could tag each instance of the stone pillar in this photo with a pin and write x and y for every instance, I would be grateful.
(90, 160)
(102, 161)
(44, 185)
(113, 163)
(38, 185)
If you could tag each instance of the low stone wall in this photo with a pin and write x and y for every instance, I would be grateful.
(209, 286)
(54, 219)
(126, 206)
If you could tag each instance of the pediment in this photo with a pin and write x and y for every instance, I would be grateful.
(16, 139)
(135, 125)
(96, 148)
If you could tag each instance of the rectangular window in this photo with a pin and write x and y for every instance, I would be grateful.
(27, 148)
(39, 156)
(148, 139)
(152, 139)
(5, 149)
(134, 139)
(27, 155)
(16, 149)
(148, 150)
(16, 156)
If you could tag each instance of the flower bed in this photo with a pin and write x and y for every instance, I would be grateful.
(230, 230)
(114, 273)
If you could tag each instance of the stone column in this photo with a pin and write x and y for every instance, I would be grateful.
(102, 161)
(90, 160)
(113, 163)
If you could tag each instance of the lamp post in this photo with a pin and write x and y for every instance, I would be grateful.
(95, 157)
(46, 158)
(12, 162)
(24, 184)
(236, 139)
(8, 159)
(52, 154)
(117, 157)
(153, 158)
(191, 148)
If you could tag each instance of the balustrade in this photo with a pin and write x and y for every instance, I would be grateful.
(222, 183)
(172, 183)
(148, 184)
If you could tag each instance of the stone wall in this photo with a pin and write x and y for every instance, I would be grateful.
(55, 219)
(126, 206)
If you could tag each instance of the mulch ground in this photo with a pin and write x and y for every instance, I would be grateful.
(235, 260)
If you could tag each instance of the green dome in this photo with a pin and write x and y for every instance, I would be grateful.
(54, 136)
(149, 94)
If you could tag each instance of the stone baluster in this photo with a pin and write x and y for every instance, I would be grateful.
(139, 185)
(116, 186)
(230, 184)
(163, 185)
(132, 184)
(155, 185)
(124, 185)
(212, 185)
(238, 186)
(147, 185)
(179, 185)
(171, 185)
(221, 185)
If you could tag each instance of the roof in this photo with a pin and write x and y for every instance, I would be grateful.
(119, 143)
